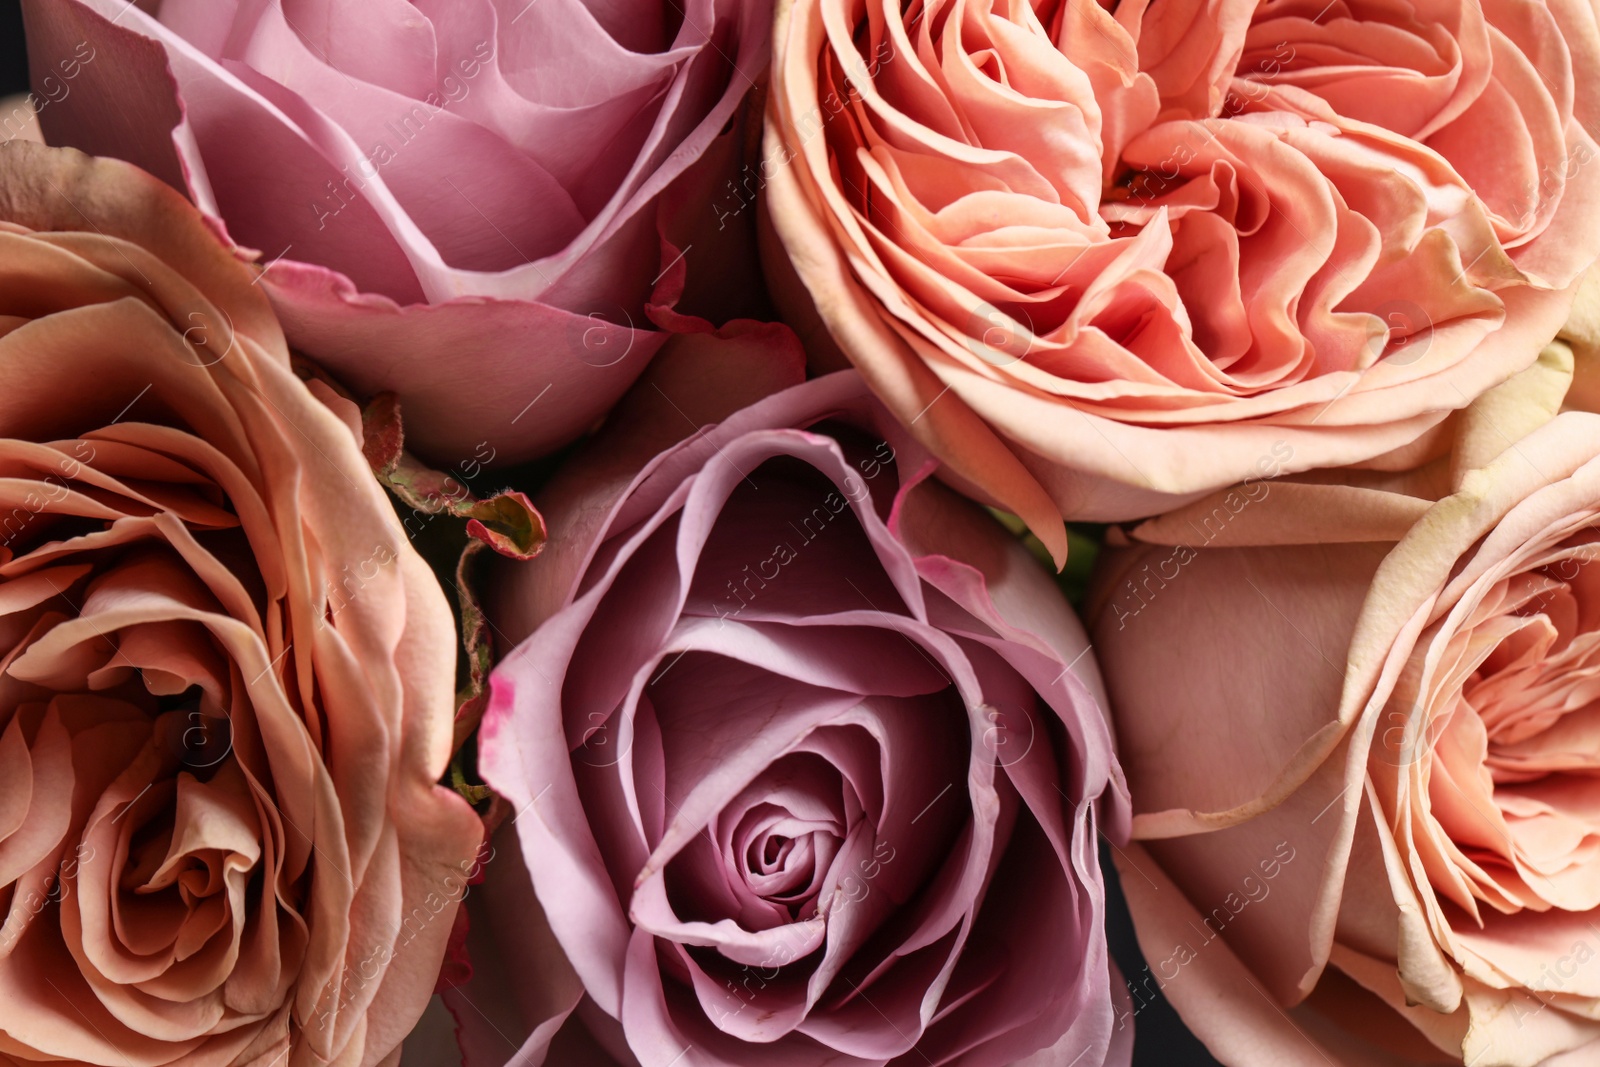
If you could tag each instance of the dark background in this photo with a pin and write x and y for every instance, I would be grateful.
(13, 56)
(1162, 1039)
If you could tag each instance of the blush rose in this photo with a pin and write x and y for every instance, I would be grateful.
(1396, 669)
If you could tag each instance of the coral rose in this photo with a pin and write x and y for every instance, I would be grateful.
(465, 202)
(227, 678)
(1101, 260)
(806, 753)
(1398, 672)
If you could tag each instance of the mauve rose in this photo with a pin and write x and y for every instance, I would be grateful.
(465, 202)
(227, 678)
(1099, 260)
(1398, 673)
(806, 754)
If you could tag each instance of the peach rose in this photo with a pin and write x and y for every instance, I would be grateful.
(227, 678)
(1101, 260)
(1401, 864)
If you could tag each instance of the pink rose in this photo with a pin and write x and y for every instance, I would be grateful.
(469, 203)
(1099, 260)
(227, 684)
(805, 754)
(1358, 717)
